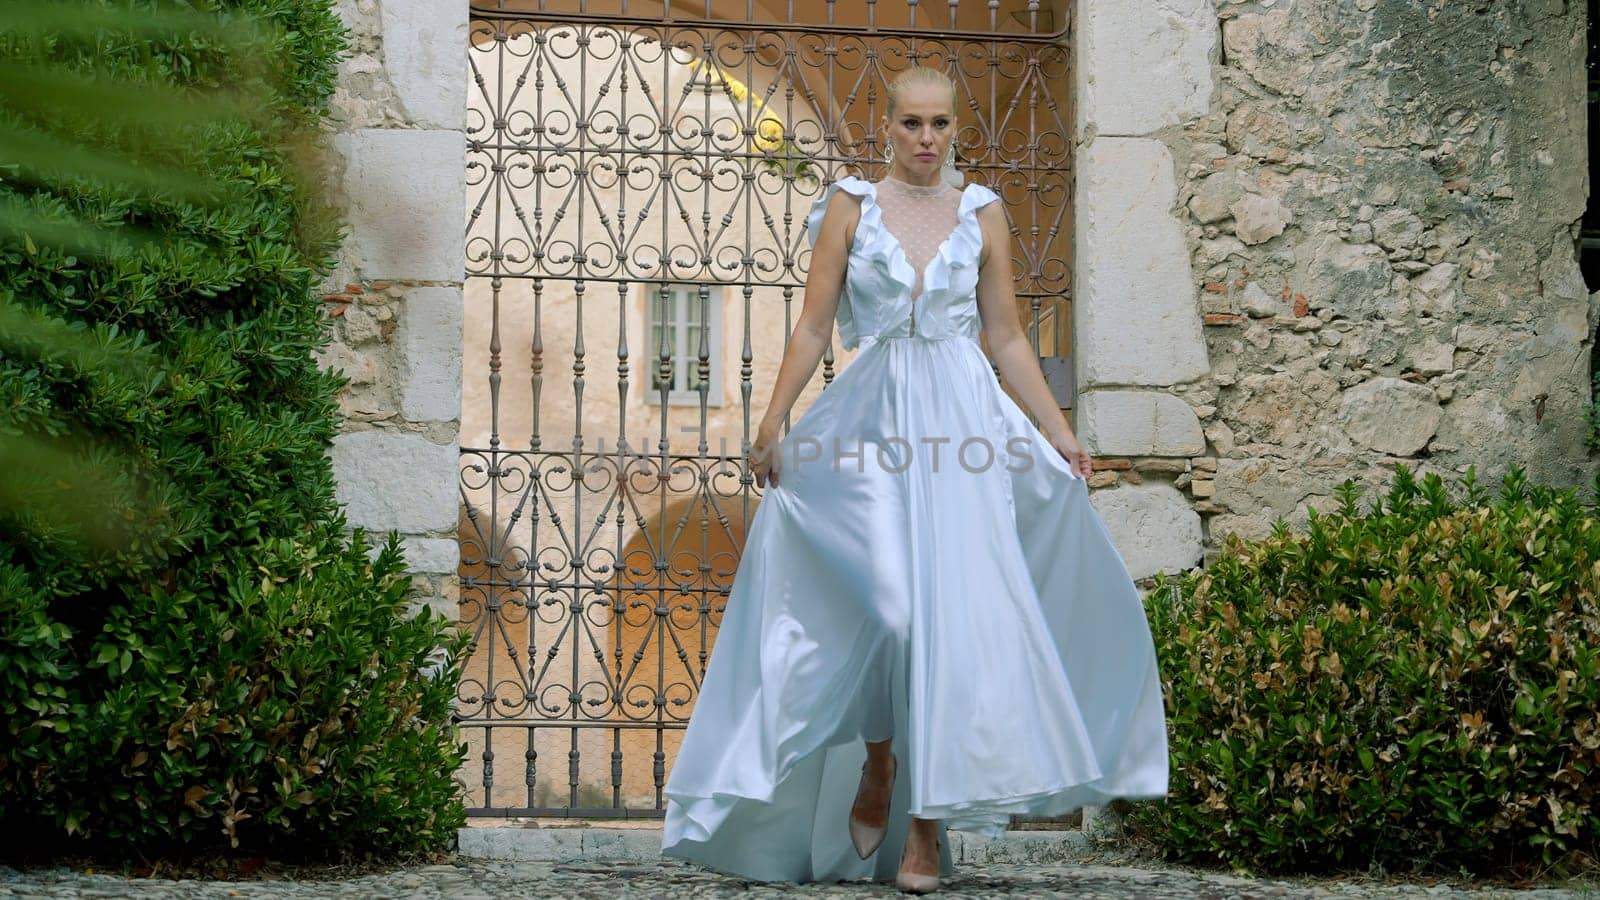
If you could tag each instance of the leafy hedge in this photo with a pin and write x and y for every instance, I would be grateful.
(195, 652)
(1417, 684)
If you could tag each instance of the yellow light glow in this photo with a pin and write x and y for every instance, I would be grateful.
(769, 126)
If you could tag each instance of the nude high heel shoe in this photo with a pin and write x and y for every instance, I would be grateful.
(916, 882)
(867, 838)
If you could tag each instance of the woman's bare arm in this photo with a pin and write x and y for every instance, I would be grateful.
(1008, 343)
(813, 332)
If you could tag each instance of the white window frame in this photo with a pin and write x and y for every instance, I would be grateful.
(683, 296)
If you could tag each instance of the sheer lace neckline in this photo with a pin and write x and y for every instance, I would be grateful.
(919, 219)
(914, 190)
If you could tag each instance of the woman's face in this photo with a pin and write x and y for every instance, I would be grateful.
(922, 128)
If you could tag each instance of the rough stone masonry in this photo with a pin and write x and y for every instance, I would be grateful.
(1379, 204)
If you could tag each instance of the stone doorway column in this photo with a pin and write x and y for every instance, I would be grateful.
(1143, 68)
(396, 145)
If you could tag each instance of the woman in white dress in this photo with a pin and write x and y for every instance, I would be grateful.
(930, 627)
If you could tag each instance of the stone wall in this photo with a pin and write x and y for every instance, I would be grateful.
(397, 133)
(1321, 238)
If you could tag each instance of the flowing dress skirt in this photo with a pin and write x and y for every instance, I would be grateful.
(898, 584)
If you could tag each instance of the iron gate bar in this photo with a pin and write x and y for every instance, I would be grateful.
(499, 11)
(595, 613)
(621, 21)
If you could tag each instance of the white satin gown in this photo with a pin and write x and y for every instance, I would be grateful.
(978, 615)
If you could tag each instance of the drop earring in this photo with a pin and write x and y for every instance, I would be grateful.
(951, 175)
(888, 153)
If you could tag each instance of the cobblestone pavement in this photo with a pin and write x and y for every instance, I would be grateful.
(591, 880)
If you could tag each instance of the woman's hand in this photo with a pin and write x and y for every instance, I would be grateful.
(1073, 452)
(763, 455)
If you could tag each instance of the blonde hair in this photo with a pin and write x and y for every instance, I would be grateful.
(917, 76)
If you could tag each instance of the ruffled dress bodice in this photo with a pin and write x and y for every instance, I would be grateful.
(879, 299)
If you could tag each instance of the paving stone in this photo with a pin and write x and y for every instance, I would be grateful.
(589, 879)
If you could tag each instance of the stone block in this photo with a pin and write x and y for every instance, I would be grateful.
(1162, 466)
(1258, 219)
(1152, 525)
(1397, 229)
(424, 55)
(1019, 847)
(448, 608)
(1349, 277)
(405, 198)
(430, 341)
(1270, 48)
(1437, 280)
(425, 555)
(1430, 357)
(1139, 423)
(1390, 415)
(361, 324)
(1137, 319)
(394, 480)
(614, 841)
(1214, 195)
(435, 556)
(1257, 132)
(1143, 65)
(359, 367)
(1258, 303)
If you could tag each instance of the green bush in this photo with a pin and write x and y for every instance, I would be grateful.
(1413, 686)
(195, 652)
(289, 703)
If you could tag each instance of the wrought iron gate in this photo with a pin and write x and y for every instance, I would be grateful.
(660, 165)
